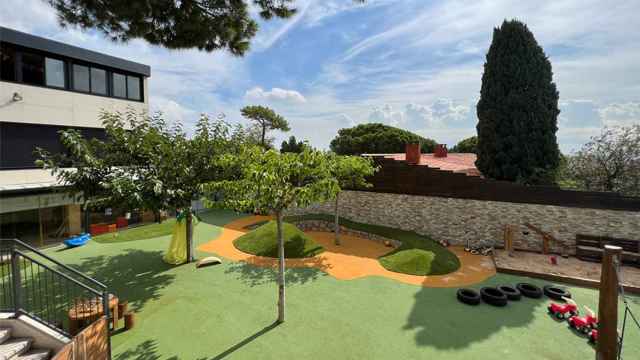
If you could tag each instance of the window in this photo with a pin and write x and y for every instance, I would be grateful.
(81, 78)
(54, 72)
(32, 66)
(98, 81)
(7, 63)
(119, 85)
(133, 87)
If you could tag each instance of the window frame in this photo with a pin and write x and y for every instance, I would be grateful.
(68, 73)
(65, 72)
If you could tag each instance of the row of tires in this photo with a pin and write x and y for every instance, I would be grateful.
(501, 295)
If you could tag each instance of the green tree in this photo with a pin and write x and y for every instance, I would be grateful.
(293, 145)
(351, 172)
(468, 145)
(377, 138)
(204, 24)
(517, 110)
(272, 182)
(266, 119)
(82, 170)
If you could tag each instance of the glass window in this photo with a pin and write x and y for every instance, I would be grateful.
(133, 87)
(119, 85)
(7, 63)
(54, 72)
(32, 69)
(81, 78)
(98, 81)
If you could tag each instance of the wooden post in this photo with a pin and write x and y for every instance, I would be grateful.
(607, 348)
(508, 239)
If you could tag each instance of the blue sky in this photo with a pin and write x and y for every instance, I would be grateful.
(414, 64)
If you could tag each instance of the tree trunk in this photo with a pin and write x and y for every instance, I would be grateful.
(264, 134)
(189, 219)
(280, 268)
(87, 218)
(337, 227)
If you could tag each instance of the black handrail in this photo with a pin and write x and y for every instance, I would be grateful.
(70, 269)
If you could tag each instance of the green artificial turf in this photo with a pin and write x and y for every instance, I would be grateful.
(263, 241)
(411, 261)
(399, 260)
(227, 312)
(138, 233)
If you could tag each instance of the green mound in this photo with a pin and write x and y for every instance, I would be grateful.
(442, 262)
(263, 241)
(413, 261)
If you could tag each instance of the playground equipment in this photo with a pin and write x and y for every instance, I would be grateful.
(77, 240)
(586, 323)
(561, 311)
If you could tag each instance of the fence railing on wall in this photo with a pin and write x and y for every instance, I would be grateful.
(398, 177)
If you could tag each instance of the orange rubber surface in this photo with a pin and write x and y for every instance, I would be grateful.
(355, 258)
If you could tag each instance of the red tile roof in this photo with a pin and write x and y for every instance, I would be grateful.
(456, 162)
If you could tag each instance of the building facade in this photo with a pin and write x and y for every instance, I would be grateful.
(45, 87)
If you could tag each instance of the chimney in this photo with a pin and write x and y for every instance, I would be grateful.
(412, 154)
(440, 151)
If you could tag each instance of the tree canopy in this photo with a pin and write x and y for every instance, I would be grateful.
(377, 138)
(517, 110)
(468, 145)
(266, 119)
(293, 145)
(608, 162)
(207, 25)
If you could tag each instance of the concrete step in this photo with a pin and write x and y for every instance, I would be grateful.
(40, 354)
(14, 347)
(5, 334)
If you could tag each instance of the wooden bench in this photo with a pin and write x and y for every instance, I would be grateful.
(591, 248)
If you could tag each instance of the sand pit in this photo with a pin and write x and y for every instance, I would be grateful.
(355, 258)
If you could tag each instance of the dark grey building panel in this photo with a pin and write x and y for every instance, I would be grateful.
(55, 47)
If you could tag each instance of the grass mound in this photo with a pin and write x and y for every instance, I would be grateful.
(263, 241)
(412, 261)
(442, 262)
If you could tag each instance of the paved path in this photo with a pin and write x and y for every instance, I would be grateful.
(355, 258)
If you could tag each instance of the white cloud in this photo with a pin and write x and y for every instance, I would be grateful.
(624, 114)
(257, 94)
(441, 113)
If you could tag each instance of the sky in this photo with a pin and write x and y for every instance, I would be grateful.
(414, 64)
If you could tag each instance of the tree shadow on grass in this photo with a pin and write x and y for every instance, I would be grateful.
(146, 350)
(255, 275)
(136, 276)
(244, 342)
(445, 323)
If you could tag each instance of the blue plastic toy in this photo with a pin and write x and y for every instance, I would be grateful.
(77, 240)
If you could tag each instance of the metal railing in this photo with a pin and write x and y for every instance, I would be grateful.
(47, 291)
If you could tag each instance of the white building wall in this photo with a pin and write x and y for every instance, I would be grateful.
(41, 105)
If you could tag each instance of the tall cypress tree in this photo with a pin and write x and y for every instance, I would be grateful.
(518, 109)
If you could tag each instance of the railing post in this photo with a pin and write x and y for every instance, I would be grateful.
(17, 282)
(107, 314)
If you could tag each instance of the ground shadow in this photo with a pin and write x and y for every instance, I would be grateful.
(244, 342)
(134, 275)
(445, 323)
(218, 217)
(147, 350)
(254, 275)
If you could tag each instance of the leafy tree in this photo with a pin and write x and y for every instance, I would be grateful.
(82, 169)
(204, 24)
(518, 109)
(293, 145)
(351, 172)
(272, 182)
(266, 119)
(377, 138)
(468, 145)
(609, 162)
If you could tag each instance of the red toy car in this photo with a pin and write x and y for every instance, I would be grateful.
(560, 311)
(584, 324)
(593, 336)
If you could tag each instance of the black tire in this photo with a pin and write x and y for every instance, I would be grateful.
(512, 293)
(468, 296)
(493, 296)
(556, 293)
(529, 290)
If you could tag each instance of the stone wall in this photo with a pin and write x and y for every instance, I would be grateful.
(478, 222)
